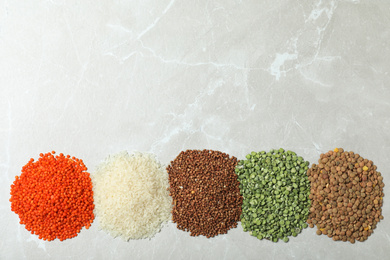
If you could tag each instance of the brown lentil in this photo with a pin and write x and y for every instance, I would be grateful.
(205, 192)
(347, 200)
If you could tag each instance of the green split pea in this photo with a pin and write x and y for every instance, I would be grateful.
(276, 190)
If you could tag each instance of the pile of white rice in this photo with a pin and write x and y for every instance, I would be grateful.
(131, 196)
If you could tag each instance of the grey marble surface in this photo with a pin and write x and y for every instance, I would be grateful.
(92, 78)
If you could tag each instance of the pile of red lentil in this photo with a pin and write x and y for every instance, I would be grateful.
(53, 196)
(205, 192)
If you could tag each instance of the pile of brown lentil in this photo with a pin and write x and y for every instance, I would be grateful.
(346, 194)
(205, 192)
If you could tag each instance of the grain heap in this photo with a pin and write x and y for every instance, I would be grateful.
(131, 196)
(53, 197)
(346, 194)
(205, 192)
(276, 192)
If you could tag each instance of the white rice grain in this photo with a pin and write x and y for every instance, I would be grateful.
(131, 196)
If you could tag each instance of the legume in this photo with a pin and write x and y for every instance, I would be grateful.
(53, 197)
(346, 194)
(276, 191)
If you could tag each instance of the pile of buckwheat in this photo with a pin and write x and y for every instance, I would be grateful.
(205, 192)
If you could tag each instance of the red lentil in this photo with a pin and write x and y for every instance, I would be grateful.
(53, 196)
